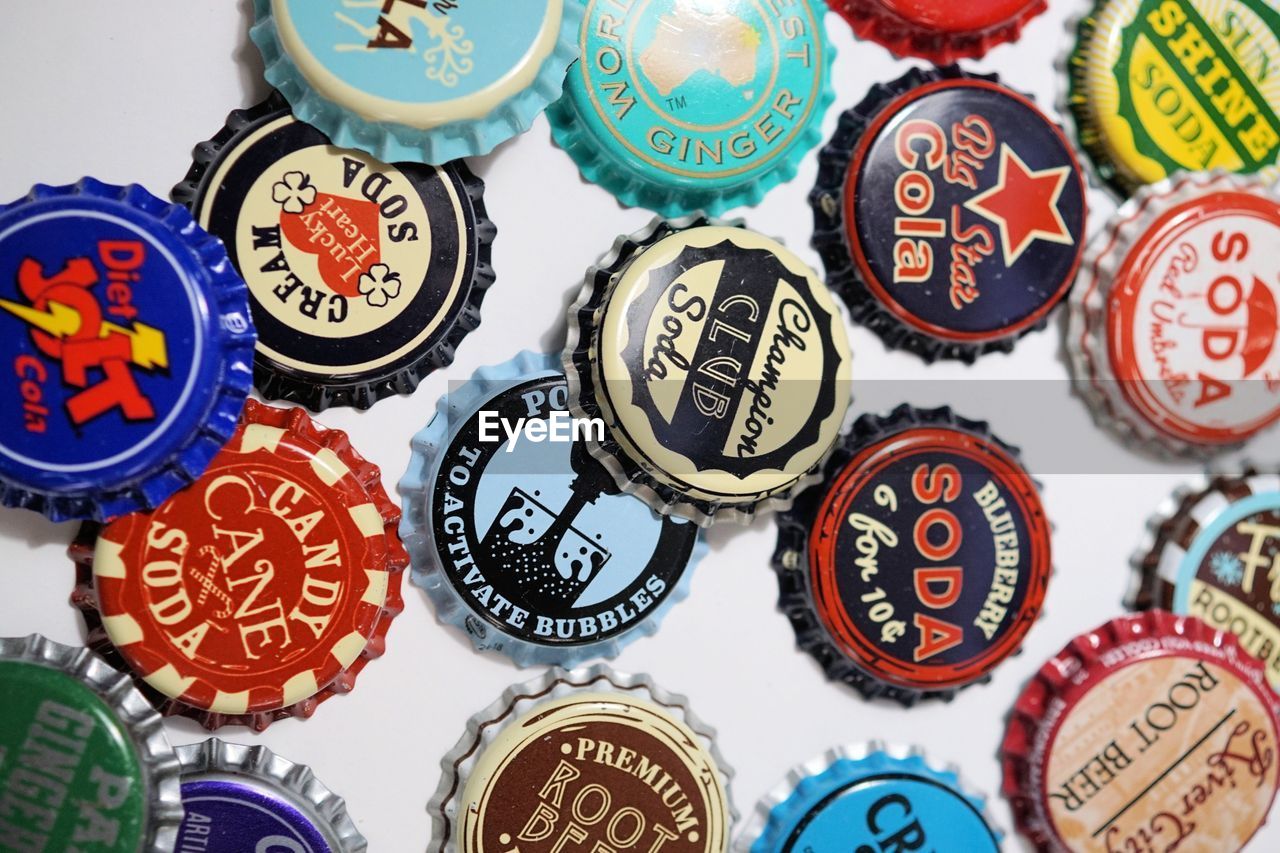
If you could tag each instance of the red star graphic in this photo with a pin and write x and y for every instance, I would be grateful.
(1025, 205)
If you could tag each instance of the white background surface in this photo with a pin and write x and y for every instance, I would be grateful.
(123, 90)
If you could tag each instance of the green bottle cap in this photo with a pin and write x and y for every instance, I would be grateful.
(84, 762)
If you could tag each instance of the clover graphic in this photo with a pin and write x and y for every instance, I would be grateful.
(293, 192)
(379, 285)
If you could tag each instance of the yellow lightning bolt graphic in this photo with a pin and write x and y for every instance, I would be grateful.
(146, 344)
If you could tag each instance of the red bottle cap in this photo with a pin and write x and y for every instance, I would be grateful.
(260, 590)
(1151, 732)
(1173, 333)
(941, 31)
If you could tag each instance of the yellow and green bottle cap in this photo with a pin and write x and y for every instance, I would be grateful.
(1160, 86)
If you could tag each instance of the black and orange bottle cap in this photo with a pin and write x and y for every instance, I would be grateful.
(922, 562)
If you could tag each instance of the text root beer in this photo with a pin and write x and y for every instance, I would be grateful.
(581, 760)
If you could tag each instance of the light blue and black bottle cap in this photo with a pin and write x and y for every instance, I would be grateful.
(240, 798)
(869, 799)
(418, 81)
(521, 537)
(681, 106)
(129, 343)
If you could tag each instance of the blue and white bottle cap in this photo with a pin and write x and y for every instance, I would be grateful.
(868, 799)
(418, 81)
(129, 343)
(521, 538)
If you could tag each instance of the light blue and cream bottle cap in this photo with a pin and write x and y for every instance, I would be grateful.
(521, 538)
(425, 81)
(868, 799)
(688, 105)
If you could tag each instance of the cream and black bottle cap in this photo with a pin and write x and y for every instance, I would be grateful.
(364, 277)
(719, 364)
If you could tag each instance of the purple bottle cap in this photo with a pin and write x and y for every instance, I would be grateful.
(240, 798)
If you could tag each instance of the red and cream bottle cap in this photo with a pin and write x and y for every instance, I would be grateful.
(1150, 732)
(1173, 324)
(260, 590)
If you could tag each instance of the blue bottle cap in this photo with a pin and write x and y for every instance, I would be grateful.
(419, 81)
(239, 798)
(686, 105)
(867, 800)
(526, 544)
(130, 346)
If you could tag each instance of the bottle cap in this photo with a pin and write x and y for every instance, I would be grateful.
(1209, 554)
(868, 799)
(241, 798)
(1172, 334)
(591, 757)
(363, 277)
(1158, 88)
(259, 591)
(129, 339)
(988, 214)
(719, 364)
(1150, 729)
(682, 107)
(938, 30)
(925, 495)
(524, 542)
(426, 82)
(84, 762)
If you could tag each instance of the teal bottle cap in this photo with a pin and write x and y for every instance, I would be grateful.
(414, 80)
(84, 762)
(687, 105)
(869, 799)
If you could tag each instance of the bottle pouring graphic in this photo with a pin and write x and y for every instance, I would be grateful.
(551, 560)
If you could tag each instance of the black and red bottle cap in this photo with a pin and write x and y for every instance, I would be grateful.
(950, 214)
(923, 561)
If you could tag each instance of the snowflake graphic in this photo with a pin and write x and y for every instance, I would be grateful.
(1227, 567)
